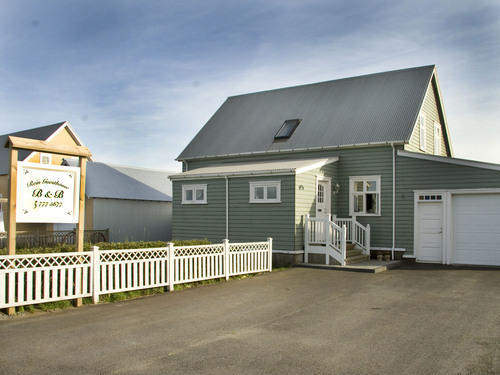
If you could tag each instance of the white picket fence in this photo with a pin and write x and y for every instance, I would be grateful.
(39, 278)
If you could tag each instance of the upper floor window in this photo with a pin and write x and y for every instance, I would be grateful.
(422, 127)
(265, 192)
(45, 158)
(194, 194)
(364, 195)
(437, 138)
(287, 129)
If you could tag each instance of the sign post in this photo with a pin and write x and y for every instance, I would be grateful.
(49, 201)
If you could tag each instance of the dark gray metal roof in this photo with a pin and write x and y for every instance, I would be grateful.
(371, 109)
(107, 181)
(42, 133)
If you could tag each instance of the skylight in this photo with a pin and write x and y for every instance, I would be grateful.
(287, 129)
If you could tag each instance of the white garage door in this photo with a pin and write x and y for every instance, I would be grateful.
(476, 229)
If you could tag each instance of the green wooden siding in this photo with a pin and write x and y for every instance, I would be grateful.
(198, 221)
(430, 108)
(416, 174)
(287, 222)
(257, 221)
(375, 161)
(247, 221)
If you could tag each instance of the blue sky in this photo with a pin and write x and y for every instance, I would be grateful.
(138, 79)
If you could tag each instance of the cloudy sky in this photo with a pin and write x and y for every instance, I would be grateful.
(138, 79)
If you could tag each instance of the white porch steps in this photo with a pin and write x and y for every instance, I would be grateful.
(354, 255)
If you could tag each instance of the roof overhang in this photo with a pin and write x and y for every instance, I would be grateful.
(296, 150)
(265, 168)
(449, 160)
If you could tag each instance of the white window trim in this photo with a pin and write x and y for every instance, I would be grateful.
(437, 138)
(265, 185)
(376, 178)
(194, 188)
(422, 125)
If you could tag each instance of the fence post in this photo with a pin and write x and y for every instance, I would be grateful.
(227, 260)
(270, 244)
(171, 267)
(96, 274)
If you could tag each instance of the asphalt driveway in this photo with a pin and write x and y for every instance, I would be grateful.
(410, 320)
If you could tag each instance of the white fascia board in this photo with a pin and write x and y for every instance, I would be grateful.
(441, 105)
(449, 160)
(280, 172)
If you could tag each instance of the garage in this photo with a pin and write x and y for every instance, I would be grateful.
(476, 229)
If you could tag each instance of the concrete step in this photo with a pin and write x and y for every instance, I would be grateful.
(349, 246)
(353, 252)
(357, 259)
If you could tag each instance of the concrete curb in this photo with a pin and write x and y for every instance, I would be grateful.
(371, 266)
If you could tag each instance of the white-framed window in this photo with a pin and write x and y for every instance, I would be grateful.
(265, 192)
(430, 197)
(437, 138)
(422, 127)
(364, 195)
(45, 158)
(194, 194)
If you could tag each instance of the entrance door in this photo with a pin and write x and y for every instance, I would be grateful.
(323, 198)
(430, 232)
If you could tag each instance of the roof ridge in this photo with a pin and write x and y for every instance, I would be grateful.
(433, 66)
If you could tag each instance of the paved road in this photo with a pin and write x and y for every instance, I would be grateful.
(411, 320)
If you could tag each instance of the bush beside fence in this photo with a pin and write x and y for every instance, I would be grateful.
(40, 278)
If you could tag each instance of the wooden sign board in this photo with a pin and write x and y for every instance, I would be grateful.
(47, 193)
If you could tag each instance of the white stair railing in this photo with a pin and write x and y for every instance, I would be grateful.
(326, 232)
(361, 237)
(336, 243)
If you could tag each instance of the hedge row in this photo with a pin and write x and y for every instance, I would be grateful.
(65, 248)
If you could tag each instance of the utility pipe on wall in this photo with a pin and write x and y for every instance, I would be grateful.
(227, 208)
(393, 200)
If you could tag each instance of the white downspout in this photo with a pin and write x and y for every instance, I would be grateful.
(227, 208)
(393, 199)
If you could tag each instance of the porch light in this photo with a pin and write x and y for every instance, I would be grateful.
(336, 189)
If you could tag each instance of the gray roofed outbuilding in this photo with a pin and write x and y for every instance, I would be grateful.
(372, 109)
(107, 181)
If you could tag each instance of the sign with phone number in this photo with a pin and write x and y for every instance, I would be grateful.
(47, 193)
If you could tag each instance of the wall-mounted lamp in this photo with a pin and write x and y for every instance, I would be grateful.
(336, 189)
(301, 187)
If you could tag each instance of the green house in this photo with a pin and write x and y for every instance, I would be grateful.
(365, 160)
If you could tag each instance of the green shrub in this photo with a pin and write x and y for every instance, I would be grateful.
(65, 248)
